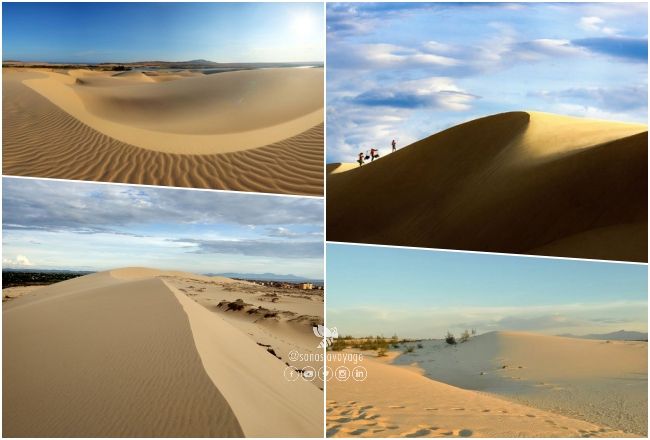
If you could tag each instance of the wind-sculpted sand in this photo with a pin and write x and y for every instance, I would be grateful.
(126, 354)
(497, 385)
(519, 182)
(258, 130)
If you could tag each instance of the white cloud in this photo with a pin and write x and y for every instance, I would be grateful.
(19, 261)
(596, 24)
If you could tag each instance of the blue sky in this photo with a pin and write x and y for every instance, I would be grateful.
(424, 293)
(123, 32)
(89, 226)
(408, 70)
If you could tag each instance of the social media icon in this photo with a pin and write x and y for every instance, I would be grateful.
(342, 373)
(291, 374)
(359, 373)
(325, 373)
(308, 373)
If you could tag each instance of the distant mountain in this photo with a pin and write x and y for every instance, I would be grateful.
(266, 277)
(620, 335)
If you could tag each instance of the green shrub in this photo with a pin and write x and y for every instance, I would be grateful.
(450, 339)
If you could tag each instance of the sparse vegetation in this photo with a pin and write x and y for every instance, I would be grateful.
(420, 345)
(408, 349)
(464, 337)
(450, 339)
(371, 343)
(381, 352)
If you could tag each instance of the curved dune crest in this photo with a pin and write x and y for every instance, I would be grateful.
(41, 140)
(123, 353)
(97, 357)
(341, 167)
(217, 113)
(519, 182)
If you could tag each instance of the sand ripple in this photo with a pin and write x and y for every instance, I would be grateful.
(41, 140)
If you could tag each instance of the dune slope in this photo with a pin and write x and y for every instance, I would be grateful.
(399, 402)
(42, 140)
(118, 354)
(515, 182)
(603, 382)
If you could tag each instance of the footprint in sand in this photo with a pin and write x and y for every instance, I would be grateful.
(363, 408)
(343, 420)
(465, 433)
(531, 415)
(333, 430)
(396, 407)
(419, 433)
(358, 431)
(431, 409)
(458, 409)
(486, 410)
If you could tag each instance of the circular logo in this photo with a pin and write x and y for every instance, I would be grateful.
(309, 373)
(325, 373)
(342, 373)
(359, 373)
(291, 374)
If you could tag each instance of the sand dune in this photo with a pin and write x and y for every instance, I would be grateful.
(399, 402)
(603, 382)
(125, 354)
(221, 131)
(519, 182)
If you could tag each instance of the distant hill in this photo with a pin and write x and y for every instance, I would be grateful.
(620, 335)
(26, 270)
(266, 277)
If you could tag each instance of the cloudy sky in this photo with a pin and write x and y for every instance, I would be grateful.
(88, 226)
(408, 70)
(175, 31)
(423, 293)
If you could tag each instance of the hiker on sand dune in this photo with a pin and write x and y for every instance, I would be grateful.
(360, 160)
(374, 154)
(394, 145)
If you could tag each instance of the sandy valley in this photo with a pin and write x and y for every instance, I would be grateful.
(250, 130)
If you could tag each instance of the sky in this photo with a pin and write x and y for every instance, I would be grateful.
(126, 32)
(88, 226)
(405, 71)
(413, 293)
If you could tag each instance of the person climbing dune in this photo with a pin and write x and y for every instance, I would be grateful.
(360, 160)
(394, 145)
(374, 154)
